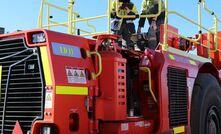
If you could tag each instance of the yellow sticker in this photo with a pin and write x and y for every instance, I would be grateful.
(46, 65)
(68, 90)
(192, 62)
(171, 57)
(179, 130)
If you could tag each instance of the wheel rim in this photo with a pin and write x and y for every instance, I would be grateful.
(213, 121)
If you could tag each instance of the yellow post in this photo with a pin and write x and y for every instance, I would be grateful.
(215, 24)
(208, 41)
(70, 16)
(164, 47)
(49, 21)
(40, 17)
(199, 17)
(74, 32)
(215, 32)
(108, 16)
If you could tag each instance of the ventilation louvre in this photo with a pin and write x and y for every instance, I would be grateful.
(21, 86)
(178, 97)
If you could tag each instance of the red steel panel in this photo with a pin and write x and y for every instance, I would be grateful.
(111, 105)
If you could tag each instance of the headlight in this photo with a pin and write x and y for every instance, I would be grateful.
(49, 129)
(38, 38)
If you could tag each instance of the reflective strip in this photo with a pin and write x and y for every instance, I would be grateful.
(129, 21)
(46, 67)
(178, 130)
(185, 54)
(71, 90)
(0, 81)
(192, 62)
(171, 57)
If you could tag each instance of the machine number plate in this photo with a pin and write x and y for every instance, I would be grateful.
(66, 50)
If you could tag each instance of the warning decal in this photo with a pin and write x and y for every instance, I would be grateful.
(124, 127)
(48, 99)
(76, 75)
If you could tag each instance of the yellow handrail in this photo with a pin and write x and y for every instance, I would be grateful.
(216, 21)
(56, 24)
(199, 24)
(90, 18)
(53, 23)
(196, 41)
(72, 18)
(95, 75)
(56, 7)
(165, 46)
(182, 16)
(95, 33)
(147, 70)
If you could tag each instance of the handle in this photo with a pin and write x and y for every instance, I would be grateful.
(146, 69)
(95, 75)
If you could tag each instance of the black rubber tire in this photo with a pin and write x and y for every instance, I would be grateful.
(206, 106)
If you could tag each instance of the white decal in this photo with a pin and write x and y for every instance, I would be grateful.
(139, 124)
(76, 75)
(124, 127)
(48, 99)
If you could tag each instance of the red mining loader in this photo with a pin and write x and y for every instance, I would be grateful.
(56, 83)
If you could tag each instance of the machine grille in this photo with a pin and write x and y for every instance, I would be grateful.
(21, 86)
(178, 97)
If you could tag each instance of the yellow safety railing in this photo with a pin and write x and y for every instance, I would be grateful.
(215, 28)
(166, 30)
(73, 19)
(200, 27)
(147, 70)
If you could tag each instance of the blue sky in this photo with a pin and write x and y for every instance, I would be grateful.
(23, 14)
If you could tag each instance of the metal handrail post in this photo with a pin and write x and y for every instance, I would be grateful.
(215, 32)
(109, 16)
(48, 17)
(75, 17)
(40, 17)
(199, 17)
(164, 46)
(74, 25)
(215, 24)
(70, 16)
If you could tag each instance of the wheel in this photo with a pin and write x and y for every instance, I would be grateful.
(206, 106)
